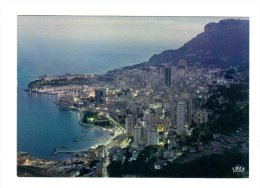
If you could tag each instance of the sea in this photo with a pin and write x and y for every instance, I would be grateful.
(41, 125)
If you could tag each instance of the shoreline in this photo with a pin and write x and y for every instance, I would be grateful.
(106, 131)
(45, 92)
(103, 140)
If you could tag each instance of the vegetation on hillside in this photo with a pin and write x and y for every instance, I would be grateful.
(96, 119)
(214, 166)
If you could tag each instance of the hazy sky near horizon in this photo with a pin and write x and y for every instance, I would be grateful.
(119, 29)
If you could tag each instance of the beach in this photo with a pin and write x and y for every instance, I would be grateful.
(104, 140)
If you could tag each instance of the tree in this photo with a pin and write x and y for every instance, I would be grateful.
(127, 154)
(93, 163)
(115, 169)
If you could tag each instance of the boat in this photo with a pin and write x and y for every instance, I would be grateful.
(77, 139)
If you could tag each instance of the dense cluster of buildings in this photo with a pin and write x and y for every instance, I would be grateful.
(153, 108)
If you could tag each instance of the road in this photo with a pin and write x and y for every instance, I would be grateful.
(106, 173)
(33, 171)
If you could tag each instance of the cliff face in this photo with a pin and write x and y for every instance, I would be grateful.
(221, 44)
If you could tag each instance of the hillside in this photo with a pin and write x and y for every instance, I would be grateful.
(220, 45)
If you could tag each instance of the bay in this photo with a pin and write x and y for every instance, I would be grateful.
(41, 125)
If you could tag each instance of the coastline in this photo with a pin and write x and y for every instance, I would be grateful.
(105, 140)
(105, 130)
(45, 92)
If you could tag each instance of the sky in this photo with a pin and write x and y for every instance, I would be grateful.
(171, 31)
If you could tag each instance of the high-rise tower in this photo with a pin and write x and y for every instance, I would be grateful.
(100, 97)
(140, 134)
(130, 123)
(180, 117)
(188, 107)
(167, 76)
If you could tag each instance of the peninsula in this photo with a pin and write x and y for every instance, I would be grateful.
(184, 113)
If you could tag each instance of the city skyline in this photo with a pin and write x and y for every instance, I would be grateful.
(44, 65)
(181, 107)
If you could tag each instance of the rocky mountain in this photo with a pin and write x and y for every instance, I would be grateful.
(220, 45)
